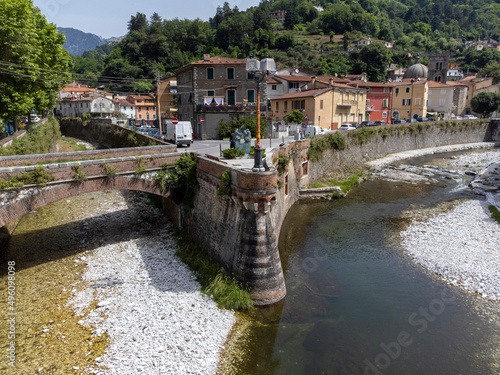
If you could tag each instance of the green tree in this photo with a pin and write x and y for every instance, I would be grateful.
(374, 59)
(485, 103)
(32, 59)
(491, 70)
(295, 117)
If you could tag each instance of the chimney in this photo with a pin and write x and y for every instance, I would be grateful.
(206, 57)
(313, 82)
(330, 82)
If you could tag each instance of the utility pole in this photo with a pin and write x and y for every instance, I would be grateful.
(158, 112)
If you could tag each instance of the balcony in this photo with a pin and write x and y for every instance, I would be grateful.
(238, 107)
(347, 103)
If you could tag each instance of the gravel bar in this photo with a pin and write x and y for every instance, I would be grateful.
(463, 244)
(148, 302)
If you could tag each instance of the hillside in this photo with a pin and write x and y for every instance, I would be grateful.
(77, 42)
(315, 36)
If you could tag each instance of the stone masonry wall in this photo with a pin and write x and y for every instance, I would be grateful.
(378, 146)
(104, 132)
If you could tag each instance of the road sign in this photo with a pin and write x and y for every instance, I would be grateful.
(202, 120)
(175, 121)
(306, 119)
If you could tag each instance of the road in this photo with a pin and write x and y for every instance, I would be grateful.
(213, 147)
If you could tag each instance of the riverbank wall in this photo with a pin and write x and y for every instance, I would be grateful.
(367, 144)
(104, 132)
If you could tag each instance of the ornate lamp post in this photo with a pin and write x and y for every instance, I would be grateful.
(260, 70)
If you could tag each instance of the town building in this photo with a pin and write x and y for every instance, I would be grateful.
(168, 97)
(378, 100)
(326, 107)
(440, 100)
(145, 107)
(126, 107)
(409, 99)
(76, 106)
(215, 89)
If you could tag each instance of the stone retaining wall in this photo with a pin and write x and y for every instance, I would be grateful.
(382, 144)
(106, 133)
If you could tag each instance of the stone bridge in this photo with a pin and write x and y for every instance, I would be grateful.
(241, 227)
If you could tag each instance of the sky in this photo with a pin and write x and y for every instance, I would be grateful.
(109, 18)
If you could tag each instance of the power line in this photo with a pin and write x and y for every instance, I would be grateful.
(93, 77)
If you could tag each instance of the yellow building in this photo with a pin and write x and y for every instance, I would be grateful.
(409, 99)
(168, 94)
(326, 107)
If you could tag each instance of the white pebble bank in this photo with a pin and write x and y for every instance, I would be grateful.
(150, 305)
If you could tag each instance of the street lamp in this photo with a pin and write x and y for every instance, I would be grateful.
(260, 71)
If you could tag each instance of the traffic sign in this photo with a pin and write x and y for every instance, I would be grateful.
(306, 119)
(175, 121)
(202, 120)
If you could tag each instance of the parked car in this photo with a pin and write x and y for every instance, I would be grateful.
(312, 130)
(356, 124)
(422, 119)
(470, 117)
(457, 118)
(380, 122)
(398, 121)
(367, 123)
(412, 120)
(347, 127)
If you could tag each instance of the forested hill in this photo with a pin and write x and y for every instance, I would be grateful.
(305, 38)
(78, 41)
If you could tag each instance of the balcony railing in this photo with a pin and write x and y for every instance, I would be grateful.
(238, 107)
(347, 103)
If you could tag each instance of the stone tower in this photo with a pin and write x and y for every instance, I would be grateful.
(438, 66)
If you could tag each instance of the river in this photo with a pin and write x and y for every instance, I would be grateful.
(356, 302)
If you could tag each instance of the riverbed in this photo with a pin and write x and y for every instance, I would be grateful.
(99, 290)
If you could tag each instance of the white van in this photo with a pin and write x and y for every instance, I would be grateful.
(312, 130)
(180, 133)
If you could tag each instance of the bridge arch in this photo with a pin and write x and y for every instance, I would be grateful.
(18, 202)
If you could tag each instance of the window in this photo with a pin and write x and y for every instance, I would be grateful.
(250, 75)
(211, 93)
(397, 90)
(139, 109)
(230, 73)
(407, 90)
(321, 104)
(298, 104)
(154, 117)
(231, 97)
(406, 101)
(293, 85)
(140, 115)
(367, 102)
(386, 90)
(147, 108)
(384, 114)
(210, 73)
(286, 106)
(442, 102)
(277, 106)
(385, 103)
(274, 87)
(251, 96)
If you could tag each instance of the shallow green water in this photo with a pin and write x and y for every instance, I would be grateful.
(356, 304)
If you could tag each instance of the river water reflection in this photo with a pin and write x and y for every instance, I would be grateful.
(357, 304)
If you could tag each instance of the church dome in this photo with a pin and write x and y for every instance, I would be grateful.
(417, 70)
